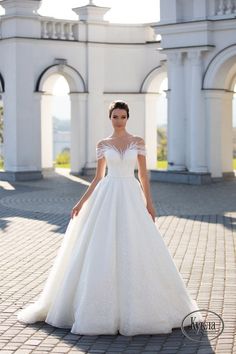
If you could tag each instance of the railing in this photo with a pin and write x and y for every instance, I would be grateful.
(59, 29)
(225, 7)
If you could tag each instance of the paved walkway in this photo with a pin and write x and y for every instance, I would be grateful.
(198, 224)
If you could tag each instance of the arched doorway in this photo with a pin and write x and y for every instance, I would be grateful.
(156, 129)
(54, 99)
(75, 99)
(219, 86)
(61, 113)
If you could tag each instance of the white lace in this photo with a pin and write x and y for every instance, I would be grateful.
(140, 148)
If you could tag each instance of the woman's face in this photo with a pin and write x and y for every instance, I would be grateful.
(119, 118)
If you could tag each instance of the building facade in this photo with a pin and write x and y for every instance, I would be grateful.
(101, 62)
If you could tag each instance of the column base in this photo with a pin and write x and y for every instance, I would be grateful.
(15, 176)
(198, 170)
(87, 171)
(226, 176)
(185, 177)
(173, 167)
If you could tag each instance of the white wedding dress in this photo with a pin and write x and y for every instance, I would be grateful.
(113, 272)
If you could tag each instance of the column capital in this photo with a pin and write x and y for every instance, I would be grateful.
(175, 57)
(195, 56)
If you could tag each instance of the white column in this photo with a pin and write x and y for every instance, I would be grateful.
(197, 125)
(214, 111)
(151, 114)
(95, 103)
(227, 132)
(47, 131)
(78, 131)
(36, 132)
(176, 113)
(22, 133)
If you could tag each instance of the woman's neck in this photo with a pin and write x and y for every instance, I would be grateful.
(120, 134)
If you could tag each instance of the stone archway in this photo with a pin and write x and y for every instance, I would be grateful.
(218, 85)
(78, 96)
(151, 87)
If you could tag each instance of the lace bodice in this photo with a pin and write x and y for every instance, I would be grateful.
(121, 159)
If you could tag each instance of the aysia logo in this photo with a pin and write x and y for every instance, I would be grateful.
(210, 327)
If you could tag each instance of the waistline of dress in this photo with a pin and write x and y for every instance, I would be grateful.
(111, 176)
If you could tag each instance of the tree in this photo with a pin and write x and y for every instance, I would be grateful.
(162, 144)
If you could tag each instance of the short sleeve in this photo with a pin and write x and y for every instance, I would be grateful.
(141, 147)
(100, 151)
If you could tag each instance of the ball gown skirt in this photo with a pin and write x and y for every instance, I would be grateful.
(113, 272)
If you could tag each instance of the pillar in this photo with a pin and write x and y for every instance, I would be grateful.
(47, 131)
(219, 127)
(197, 125)
(176, 113)
(22, 135)
(78, 152)
(151, 114)
(227, 132)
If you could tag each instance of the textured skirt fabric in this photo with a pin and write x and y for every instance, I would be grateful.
(113, 271)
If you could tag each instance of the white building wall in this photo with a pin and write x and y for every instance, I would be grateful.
(201, 33)
(100, 61)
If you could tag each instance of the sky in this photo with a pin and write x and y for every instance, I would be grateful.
(122, 11)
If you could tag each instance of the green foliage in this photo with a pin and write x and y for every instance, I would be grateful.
(162, 165)
(63, 158)
(162, 144)
(1, 163)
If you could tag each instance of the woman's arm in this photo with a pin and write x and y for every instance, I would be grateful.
(100, 173)
(144, 180)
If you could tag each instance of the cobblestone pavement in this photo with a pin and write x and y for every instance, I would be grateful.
(198, 224)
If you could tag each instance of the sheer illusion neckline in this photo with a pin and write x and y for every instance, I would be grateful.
(133, 145)
(121, 151)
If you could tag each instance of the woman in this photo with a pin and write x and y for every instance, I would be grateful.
(113, 272)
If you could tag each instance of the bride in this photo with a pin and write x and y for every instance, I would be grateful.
(113, 272)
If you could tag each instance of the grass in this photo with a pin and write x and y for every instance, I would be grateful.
(162, 165)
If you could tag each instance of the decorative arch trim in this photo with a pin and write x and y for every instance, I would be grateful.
(160, 69)
(222, 57)
(2, 84)
(74, 78)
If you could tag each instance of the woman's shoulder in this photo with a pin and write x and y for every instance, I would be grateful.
(139, 139)
(103, 141)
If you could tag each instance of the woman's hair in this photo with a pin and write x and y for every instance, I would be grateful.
(118, 104)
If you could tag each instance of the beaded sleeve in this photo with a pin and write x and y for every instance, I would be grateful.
(141, 147)
(100, 148)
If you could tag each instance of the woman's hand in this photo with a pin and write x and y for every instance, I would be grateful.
(76, 209)
(151, 211)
